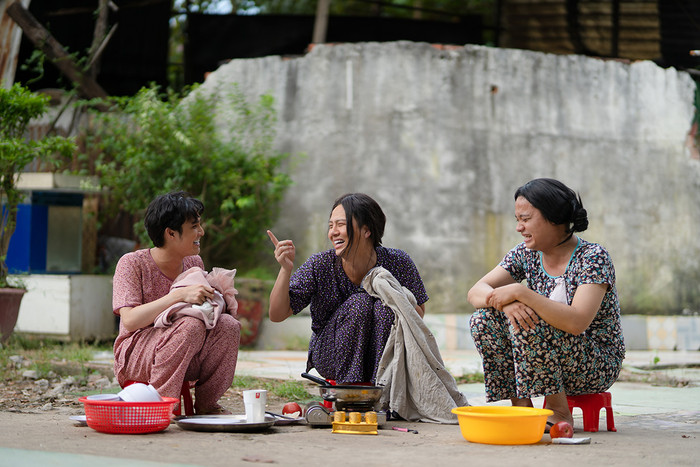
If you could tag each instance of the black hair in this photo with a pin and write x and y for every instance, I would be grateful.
(366, 213)
(170, 210)
(558, 203)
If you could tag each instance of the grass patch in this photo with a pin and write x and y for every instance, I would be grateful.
(289, 390)
(245, 382)
(469, 378)
(46, 357)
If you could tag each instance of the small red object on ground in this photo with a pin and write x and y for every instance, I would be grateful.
(561, 430)
(291, 408)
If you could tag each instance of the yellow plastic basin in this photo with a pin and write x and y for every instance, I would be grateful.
(502, 425)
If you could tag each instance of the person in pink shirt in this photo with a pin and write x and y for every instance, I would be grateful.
(184, 351)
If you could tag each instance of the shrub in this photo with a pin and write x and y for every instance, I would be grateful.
(152, 143)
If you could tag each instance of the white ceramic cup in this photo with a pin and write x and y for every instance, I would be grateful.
(255, 401)
(139, 392)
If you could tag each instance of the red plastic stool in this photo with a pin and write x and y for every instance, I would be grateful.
(186, 397)
(184, 394)
(590, 405)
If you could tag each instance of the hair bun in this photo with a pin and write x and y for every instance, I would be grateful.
(580, 219)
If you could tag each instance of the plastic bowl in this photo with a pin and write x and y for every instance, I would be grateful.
(104, 397)
(139, 392)
(502, 425)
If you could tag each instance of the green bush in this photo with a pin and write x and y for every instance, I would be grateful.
(152, 143)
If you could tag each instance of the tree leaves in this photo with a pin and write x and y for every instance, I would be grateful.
(218, 147)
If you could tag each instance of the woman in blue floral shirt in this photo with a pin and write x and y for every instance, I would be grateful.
(559, 332)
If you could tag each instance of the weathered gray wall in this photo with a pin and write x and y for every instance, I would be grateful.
(443, 138)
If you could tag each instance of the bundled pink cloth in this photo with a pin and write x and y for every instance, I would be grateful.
(222, 280)
(224, 300)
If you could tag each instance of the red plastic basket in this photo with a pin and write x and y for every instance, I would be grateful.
(128, 417)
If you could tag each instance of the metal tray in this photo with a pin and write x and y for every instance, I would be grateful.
(79, 420)
(279, 421)
(232, 423)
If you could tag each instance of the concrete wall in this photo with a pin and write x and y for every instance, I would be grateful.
(442, 138)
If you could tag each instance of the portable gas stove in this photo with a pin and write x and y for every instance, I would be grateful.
(346, 398)
(319, 415)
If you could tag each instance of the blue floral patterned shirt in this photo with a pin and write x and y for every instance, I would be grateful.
(590, 263)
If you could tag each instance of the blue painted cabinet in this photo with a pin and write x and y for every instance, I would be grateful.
(48, 236)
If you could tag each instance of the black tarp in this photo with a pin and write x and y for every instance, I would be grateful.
(679, 23)
(136, 55)
(212, 40)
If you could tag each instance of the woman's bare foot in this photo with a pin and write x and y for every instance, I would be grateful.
(557, 403)
(517, 402)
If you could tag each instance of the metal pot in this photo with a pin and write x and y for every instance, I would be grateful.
(347, 396)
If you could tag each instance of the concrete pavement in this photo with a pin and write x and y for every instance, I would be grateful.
(656, 426)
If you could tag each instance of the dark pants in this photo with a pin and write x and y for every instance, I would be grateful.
(348, 348)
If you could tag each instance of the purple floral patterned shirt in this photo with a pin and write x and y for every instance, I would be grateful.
(322, 283)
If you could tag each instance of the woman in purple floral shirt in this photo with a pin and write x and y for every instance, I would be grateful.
(559, 333)
(350, 328)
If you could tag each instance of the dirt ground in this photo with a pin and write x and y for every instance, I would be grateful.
(23, 396)
(67, 381)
